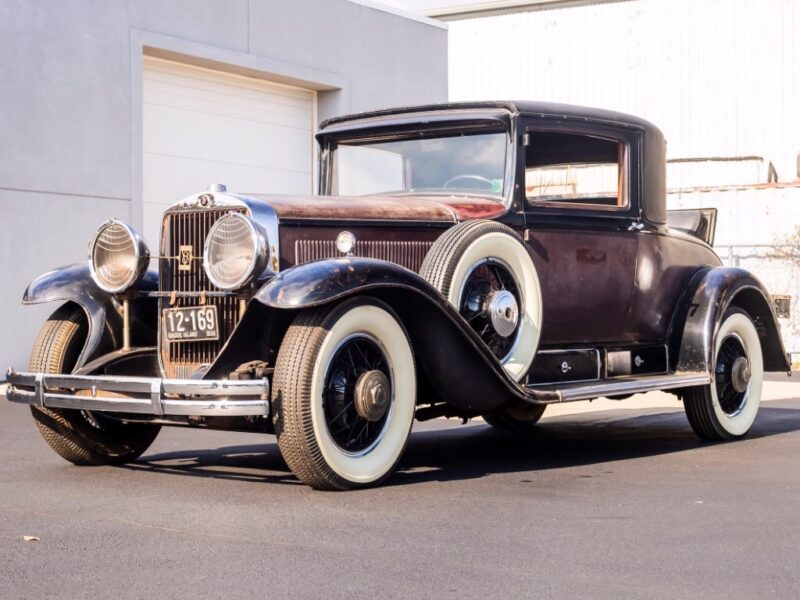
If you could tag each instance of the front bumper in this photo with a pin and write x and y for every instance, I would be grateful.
(141, 395)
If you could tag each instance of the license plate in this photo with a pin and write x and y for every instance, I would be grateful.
(192, 324)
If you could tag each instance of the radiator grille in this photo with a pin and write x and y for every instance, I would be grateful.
(181, 359)
(407, 254)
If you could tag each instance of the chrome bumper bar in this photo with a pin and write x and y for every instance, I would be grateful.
(141, 395)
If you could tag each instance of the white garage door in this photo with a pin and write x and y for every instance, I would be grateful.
(203, 126)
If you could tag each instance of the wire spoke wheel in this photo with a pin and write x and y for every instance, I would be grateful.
(344, 394)
(353, 429)
(727, 408)
(490, 303)
(732, 375)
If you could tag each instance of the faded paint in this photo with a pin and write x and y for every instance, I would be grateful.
(449, 209)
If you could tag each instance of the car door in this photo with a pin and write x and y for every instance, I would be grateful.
(581, 229)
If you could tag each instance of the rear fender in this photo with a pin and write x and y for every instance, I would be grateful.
(454, 361)
(103, 311)
(714, 291)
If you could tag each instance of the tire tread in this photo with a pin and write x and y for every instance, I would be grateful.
(291, 393)
(56, 346)
(699, 404)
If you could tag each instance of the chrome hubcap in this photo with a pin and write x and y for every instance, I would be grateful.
(504, 312)
(357, 394)
(732, 375)
(372, 395)
(740, 374)
(490, 303)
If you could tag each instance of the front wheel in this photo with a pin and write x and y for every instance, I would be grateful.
(726, 409)
(344, 394)
(79, 436)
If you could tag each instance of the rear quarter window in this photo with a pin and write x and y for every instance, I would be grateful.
(581, 171)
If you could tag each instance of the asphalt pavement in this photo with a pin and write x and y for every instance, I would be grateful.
(617, 501)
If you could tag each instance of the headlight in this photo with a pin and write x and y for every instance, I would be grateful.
(235, 252)
(118, 257)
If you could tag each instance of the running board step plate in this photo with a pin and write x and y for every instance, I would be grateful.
(623, 386)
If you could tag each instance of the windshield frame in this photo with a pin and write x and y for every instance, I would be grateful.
(421, 127)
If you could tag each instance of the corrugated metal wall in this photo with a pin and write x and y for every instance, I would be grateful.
(755, 231)
(718, 76)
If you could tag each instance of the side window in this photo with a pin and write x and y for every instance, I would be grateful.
(566, 169)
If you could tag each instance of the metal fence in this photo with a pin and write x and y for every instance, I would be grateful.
(778, 267)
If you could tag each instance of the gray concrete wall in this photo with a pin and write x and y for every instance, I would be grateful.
(70, 104)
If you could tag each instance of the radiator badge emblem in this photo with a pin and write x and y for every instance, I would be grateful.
(185, 258)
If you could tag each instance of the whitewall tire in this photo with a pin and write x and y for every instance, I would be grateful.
(727, 408)
(344, 394)
(486, 272)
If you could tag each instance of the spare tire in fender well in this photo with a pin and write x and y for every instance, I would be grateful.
(449, 355)
(452, 363)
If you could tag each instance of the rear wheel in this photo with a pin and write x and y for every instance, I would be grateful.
(726, 409)
(81, 437)
(344, 394)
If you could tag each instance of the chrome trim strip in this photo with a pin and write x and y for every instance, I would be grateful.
(203, 397)
(619, 387)
(264, 214)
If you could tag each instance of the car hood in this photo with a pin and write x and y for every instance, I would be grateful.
(449, 209)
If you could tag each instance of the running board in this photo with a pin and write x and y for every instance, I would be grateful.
(620, 386)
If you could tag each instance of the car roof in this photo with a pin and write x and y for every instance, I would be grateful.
(523, 107)
(650, 199)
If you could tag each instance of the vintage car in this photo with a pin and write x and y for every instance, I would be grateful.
(476, 259)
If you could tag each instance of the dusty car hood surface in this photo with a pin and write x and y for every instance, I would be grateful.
(449, 209)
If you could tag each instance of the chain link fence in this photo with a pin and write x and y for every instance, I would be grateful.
(778, 267)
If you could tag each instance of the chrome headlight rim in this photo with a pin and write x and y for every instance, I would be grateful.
(141, 257)
(258, 261)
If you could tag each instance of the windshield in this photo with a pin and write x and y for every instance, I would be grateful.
(456, 164)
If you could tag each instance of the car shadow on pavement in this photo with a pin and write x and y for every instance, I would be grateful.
(478, 450)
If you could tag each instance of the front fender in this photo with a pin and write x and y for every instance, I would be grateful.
(74, 283)
(715, 290)
(456, 363)
(317, 283)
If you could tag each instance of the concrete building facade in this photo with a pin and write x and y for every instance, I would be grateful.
(114, 109)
